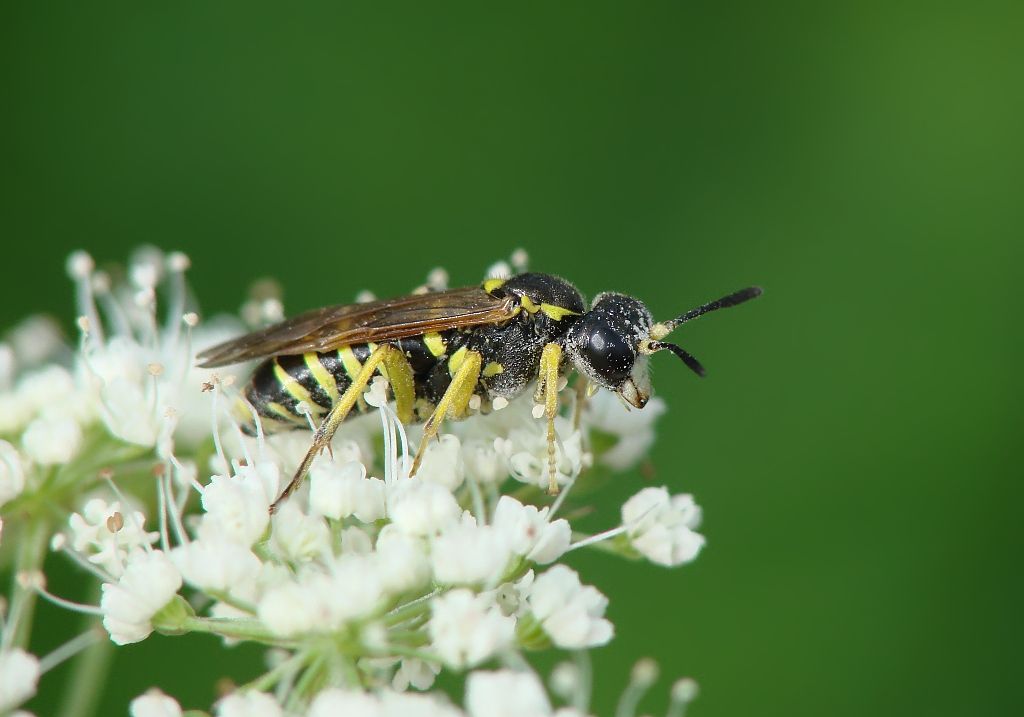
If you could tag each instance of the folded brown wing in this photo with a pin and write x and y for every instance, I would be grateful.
(332, 327)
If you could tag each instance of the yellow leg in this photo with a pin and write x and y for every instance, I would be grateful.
(455, 400)
(339, 411)
(398, 372)
(547, 389)
(582, 393)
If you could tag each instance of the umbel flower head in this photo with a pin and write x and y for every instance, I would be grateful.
(368, 582)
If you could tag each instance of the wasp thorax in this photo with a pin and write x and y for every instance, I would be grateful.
(605, 346)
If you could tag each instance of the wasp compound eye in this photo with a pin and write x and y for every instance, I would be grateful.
(609, 354)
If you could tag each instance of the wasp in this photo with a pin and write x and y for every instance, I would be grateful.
(439, 349)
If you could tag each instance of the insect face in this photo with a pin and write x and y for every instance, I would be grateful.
(611, 343)
(605, 346)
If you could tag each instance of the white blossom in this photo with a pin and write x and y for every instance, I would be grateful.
(529, 532)
(106, 534)
(237, 505)
(662, 527)
(52, 440)
(149, 582)
(442, 463)
(402, 559)
(467, 629)
(333, 702)
(506, 693)
(155, 704)
(298, 536)
(12, 473)
(249, 704)
(571, 614)
(416, 673)
(420, 508)
(470, 554)
(526, 449)
(322, 601)
(19, 674)
(633, 429)
(216, 564)
(338, 491)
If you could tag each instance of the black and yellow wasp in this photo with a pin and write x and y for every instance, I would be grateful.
(440, 349)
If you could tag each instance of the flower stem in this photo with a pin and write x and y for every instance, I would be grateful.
(84, 686)
(237, 628)
(31, 552)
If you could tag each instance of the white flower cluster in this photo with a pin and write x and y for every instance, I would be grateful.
(367, 582)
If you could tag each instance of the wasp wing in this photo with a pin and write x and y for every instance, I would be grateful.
(333, 327)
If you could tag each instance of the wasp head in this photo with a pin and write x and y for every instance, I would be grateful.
(605, 346)
(611, 344)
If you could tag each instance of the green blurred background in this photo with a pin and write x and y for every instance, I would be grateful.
(853, 445)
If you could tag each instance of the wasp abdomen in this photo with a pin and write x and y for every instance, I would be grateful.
(284, 389)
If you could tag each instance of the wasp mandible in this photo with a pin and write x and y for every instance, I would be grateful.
(439, 349)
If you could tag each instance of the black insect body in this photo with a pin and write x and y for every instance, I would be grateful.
(440, 349)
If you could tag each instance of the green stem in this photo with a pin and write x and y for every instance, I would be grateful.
(270, 679)
(236, 628)
(414, 608)
(84, 688)
(306, 684)
(31, 553)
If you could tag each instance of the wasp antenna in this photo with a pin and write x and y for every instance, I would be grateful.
(682, 353)
(733, 299)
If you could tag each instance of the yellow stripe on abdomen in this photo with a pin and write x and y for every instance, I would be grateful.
(295, 389)
(321, 375)
(349, 361)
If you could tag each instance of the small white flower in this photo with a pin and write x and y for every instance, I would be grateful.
(52, 440)
(338, 491)
(469, 554)
(633, 429)
(287, 609)
(237, 505)
(661, 526)
(414, 673)
(19, 674)
(155, 704)
(467, 629)
(442, 463)
(528, 531)
(398, 704)
(322, 601)
(420, 508)
(298, 536)
(526, 450)
(506, 693)
(483, 461)
(402, 561)
(571, 614)
(249, 704)
(149, 582)
(107, 535)
(216, 564)
(334, 702)
(45, 388)
(12, 473)
(355, 540)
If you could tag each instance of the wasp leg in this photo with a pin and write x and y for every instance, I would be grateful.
(583, 392)
(339, 411)
(455, 400)
(547, 389)
(398, 371)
